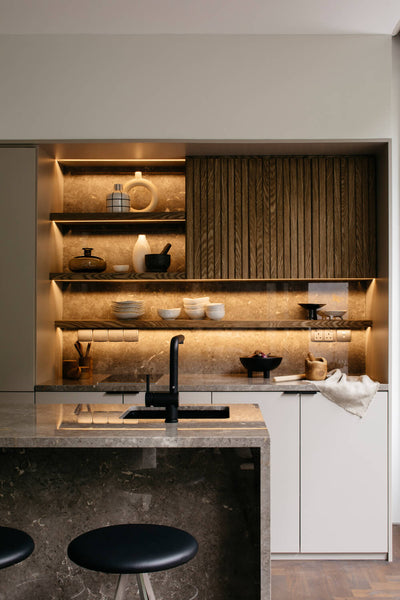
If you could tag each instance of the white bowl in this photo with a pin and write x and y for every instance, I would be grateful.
(194, 302)
(169, 313)
(216, 314)
(128, 315)
(195, 313)
(334, 314)
(121, 268)
(215, 305)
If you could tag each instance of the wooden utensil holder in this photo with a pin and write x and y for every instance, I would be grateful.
(316, 368)
(86, 366)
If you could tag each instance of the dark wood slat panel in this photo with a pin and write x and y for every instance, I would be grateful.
(301, 244)
(245, 217)
(252, 228)
(337, 219)
(342, 266)
(323, 268)
(73, 324)
(331, 224)
(217, 220)
(223, 184)
(259, 210)
(189, 194)
(315, 217)
(238, 217)
(231, 222)
(307, 218)
(359, 216)
(271, 219)
(211, 258)
(280, 246)
(286, 218)
(365, 263)
(293, 206)
(372, 201)
(352, 220)
(203, 217)
(196, 229)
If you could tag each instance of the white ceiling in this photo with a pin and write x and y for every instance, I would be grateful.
(200, 16)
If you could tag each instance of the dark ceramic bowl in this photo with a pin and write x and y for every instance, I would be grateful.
(260, 363)
(157, 263)
(312, 309)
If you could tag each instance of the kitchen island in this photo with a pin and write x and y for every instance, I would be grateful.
(64, 471)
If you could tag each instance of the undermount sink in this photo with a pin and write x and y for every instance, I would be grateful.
(184, 412)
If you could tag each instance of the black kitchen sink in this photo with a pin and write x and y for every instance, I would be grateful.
(184, 412)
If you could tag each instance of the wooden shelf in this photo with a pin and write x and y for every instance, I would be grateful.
(117, 277)
(127, 217)
(74, 324)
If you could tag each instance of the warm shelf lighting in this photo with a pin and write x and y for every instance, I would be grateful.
(121, 160)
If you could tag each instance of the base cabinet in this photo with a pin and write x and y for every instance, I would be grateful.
(281, 414)
(344, 475)
(329, 474)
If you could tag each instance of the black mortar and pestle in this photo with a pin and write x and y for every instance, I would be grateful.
(158, 263)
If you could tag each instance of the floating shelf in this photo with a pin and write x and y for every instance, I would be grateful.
(118, 277)
(128, 217)
(74, 324)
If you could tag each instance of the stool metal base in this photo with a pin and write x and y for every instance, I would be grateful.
(144, 585)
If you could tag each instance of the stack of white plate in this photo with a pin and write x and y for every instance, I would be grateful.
(215, 310)
(195, 307)
(128, 309)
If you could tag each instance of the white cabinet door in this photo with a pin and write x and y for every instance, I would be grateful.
(77, 398)
(344, 477)
(17, 267)
(281, 415)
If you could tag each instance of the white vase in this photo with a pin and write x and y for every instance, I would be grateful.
(139, 250)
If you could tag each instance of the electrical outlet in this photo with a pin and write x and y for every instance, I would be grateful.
(317, 335)
(329, 335)
(343, 335)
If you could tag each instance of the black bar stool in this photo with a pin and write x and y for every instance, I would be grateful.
(133, 548)
(15, 546)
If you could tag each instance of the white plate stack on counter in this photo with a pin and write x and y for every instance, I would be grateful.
(128, 309)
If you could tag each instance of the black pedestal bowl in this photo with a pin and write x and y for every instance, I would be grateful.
(264, 364)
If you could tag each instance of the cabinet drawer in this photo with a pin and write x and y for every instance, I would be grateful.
(77, 398)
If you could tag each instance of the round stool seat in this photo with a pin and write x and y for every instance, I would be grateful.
(132, 548)
(15, 546)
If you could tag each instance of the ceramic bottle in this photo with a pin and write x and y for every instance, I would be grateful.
(118, 201)
(140, 249)
(87, 263)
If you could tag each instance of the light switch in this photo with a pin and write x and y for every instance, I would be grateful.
(343, 335)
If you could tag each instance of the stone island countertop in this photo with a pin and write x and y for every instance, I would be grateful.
(67, 468)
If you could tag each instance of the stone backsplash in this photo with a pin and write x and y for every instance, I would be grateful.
(217, 351)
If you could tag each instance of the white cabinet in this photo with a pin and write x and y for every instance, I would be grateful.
(329, 473)
(77, 398)
(344, 477)
(281, 415)
(17, 266)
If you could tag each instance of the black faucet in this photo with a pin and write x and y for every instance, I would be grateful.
(168, 399)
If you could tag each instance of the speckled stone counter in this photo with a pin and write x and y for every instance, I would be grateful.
(188, 382)
(63, 472)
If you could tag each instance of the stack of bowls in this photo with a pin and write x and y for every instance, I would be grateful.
(128, 309)
(195, 307)
(215, 310)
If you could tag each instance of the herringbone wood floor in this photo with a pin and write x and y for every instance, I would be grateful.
(338, 580)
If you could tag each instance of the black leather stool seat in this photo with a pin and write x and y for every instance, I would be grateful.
(132, 548)
(15, 546)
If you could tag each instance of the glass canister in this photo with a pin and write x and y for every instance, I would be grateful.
(87, 263)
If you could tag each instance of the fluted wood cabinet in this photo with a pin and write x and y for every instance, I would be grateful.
(280, 217)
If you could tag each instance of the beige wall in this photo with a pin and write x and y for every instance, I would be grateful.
(194, 87)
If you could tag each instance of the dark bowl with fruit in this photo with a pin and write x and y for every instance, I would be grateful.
(260, 362)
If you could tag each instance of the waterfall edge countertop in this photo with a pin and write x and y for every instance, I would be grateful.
(59, 425)
(188, 382)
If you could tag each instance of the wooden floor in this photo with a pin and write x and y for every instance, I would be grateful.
(338, 580)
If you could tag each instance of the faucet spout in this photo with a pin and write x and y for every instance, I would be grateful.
(173, 362)
(168, 399)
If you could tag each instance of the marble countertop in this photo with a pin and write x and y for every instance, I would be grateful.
(188, 382)
(62, 426)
